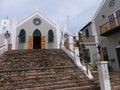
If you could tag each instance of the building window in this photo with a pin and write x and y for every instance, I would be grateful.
(22, 36)
(111, 17)
(50, 36)
(112, 20)
(86, 55)
(105, 54)
(87, 33)
(118, 15)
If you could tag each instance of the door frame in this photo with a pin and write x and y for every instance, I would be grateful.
(36, 33)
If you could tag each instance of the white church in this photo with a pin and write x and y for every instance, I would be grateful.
(34, 32)
(38, 32)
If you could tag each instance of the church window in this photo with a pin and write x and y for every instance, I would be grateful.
(22, 36)
(37, 21)
(50, 36)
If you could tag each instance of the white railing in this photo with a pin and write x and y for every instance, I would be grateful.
(2, 49)
(76, 60)
(2, 43)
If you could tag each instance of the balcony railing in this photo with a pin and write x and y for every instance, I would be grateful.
(110, 27)
(88, 39)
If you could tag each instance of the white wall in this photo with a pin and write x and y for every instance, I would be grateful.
(29, 27)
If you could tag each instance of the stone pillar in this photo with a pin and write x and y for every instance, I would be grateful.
(103, 75)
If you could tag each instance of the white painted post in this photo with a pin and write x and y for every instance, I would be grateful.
(58, 35)
(71, 42)
(103, 75)
(76, 53)
(14, 34)
(8, 43)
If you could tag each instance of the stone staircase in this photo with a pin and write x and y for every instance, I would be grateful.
(114, 80)
(48, 69)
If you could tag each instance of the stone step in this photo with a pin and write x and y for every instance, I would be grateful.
(40, 84)
(17, 77)
(42, 68)
(114, 80)
(23, 52)
(51, 87)
(45, 84)
(87, 87)
(39, 70)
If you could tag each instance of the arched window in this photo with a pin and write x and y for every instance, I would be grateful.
(50, 36)
(37, 33)
(22, 36)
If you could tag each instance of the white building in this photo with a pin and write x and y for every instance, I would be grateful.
(107, 22)
(90, 41)
(37, 32)
(34, 32)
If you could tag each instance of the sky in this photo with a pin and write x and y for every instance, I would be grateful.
(72, 13)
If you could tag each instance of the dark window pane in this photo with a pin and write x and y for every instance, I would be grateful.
(86, 55)
(50, 36)
(105, 54)
(22, 36)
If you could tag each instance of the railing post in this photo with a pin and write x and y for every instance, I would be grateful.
(76, 53)
(103, 72)
(8, 45)
(8, 41)
(71, 42)
(103, 75)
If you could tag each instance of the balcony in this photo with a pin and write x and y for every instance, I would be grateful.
(88, 39)
(110, 27)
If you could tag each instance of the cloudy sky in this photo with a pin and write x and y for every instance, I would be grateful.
(80, 12)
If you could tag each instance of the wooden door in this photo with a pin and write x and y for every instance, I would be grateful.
(30, 42)
(43, 45)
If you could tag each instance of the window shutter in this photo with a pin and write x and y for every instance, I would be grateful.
(43, 42)
(30, 42)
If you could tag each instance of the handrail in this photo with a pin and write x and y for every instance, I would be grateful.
(87, 63)
(2, 46)
(1, 49)
(81, 58)
(71, 50)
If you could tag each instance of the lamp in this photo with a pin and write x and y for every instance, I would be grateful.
(100, 52)
(7, 34)
(99, 48)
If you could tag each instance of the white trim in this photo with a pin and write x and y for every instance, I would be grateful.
(101, 5)
(36, 13)
(77, 62)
